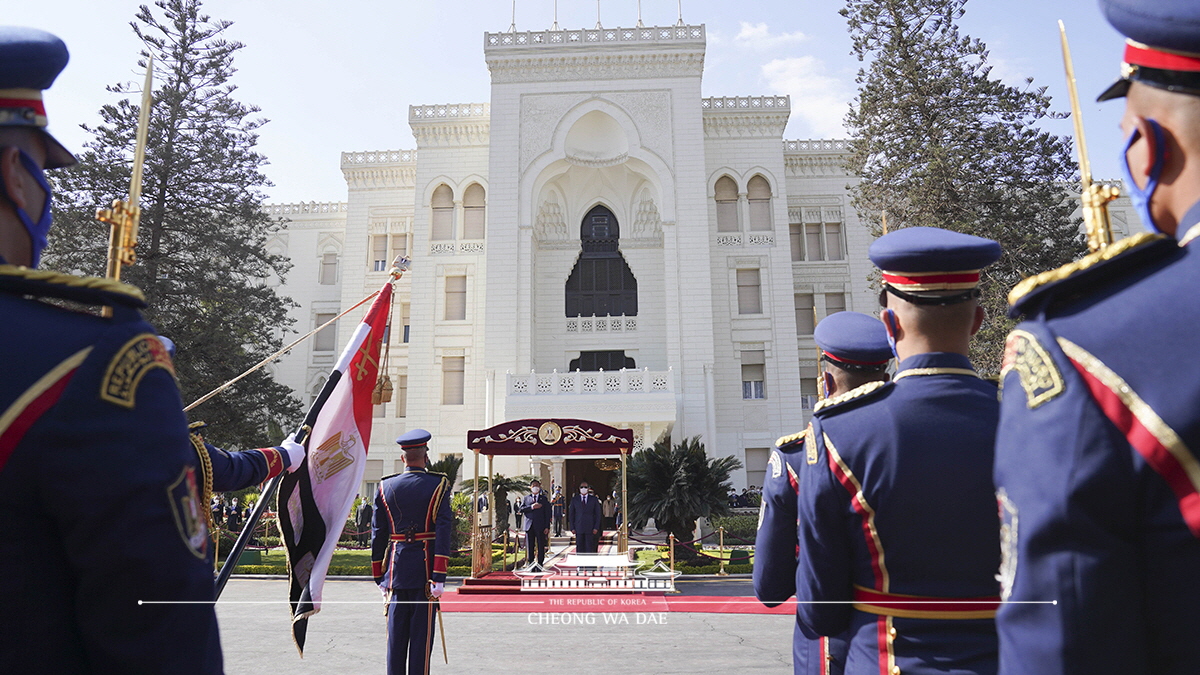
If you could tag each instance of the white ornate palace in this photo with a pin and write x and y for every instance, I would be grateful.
(597, 242)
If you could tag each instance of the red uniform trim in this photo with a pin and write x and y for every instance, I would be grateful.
(274, 461)
(376, 568)
(865, 512)
(896, 604)
(823, 650)
(34, 402)
(1147, 444)
(439, 564)
(1145, 55)
(885, 652)
(37, 106)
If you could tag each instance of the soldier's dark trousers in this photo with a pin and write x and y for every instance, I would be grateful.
(410, 632)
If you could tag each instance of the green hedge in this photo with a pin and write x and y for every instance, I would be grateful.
(742, 527)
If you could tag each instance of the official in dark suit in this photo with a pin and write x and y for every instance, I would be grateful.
(536, 509)
(409, 551)
(855, 352)
(585, 520)
(97, 476)
(1098, 451)
(899, 539)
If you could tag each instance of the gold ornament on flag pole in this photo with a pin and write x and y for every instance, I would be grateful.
(125, 214)
(1094, 197)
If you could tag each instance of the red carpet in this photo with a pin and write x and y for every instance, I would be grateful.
(608, 602)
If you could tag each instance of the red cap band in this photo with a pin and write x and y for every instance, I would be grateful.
(852, 361)
(1143, 55)
(932, 281)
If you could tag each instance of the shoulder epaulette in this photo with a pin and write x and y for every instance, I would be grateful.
(392, 475)
(435, 473)
(1111, 261)
(791, 442)
(863, 392)
(89, 290)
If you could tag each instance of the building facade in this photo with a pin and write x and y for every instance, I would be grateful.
(598, 241)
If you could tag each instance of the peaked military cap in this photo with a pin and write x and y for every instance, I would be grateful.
(853, 341)
(1162, 46)
(30, 60)
(918, 260)
(414, 439)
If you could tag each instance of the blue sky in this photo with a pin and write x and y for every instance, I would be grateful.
(340, 76)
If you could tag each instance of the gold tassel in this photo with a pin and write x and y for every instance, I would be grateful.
(382, 393)
(385, 391)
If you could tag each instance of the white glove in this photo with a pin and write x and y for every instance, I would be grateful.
(295, 452)
(438, 589)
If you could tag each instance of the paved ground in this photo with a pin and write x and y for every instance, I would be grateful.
(348, 637)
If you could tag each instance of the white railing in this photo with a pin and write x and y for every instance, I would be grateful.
(601, 324)
(599, 382)
(816, 145)
(449, 110)
(380, 157)
(746, 103)
(595, 36)
(306, 207)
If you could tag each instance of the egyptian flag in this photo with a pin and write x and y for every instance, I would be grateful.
(315, 501)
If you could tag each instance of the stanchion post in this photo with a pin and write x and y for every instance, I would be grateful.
(721, 572)
(671, 539)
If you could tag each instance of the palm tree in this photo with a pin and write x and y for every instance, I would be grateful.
(501, 486)
(675, 485)
(449, 465)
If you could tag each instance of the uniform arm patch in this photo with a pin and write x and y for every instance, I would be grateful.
(134, 359)
(1039, 376)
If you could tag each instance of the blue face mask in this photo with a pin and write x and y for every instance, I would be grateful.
(40, 230)
(1140, 197)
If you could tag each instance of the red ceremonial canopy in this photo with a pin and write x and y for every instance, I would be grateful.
(550, 437)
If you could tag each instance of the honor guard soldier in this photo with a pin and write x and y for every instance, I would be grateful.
(856, 349)
(1097, 473)
(896, 508)
(100, 504)
(409, 551)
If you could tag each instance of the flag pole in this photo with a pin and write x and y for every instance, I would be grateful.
(399, 267)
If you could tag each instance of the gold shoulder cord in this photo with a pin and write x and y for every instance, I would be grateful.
(206, 468)
(72, 281)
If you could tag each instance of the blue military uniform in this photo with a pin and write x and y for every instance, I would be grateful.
(1097, 473)
(897, 518)
(857, 342)
(410, 548)
(96, 473)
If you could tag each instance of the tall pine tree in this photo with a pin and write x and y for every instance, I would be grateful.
(938, 141)
(202, 258)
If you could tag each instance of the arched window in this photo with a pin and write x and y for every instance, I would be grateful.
(759, 193)
(601, 283)
(443, 214)
(473, 212)
(727, 208)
